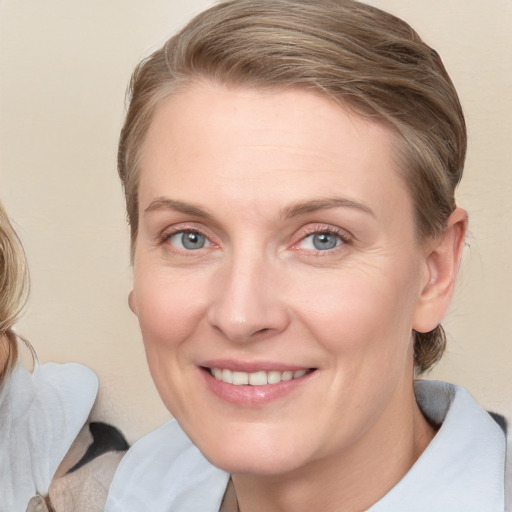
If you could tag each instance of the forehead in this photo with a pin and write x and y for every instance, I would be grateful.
(265, 144)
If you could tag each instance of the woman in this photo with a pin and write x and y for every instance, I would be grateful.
(289, 169)
(47, 462)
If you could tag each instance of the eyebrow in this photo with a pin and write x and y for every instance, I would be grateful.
(294, 210)
(164, 203)
(303, 208)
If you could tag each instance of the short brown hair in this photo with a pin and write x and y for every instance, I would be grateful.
(13, 290)
(364, 58)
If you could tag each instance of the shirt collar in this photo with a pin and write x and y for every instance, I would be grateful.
(463, 466)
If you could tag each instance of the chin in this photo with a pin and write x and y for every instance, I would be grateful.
(255, 454)
(254, 464)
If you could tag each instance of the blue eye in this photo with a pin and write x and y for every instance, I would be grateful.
(321, 241)
(189, 240)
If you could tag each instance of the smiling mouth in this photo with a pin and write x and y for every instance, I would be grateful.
(260, 378)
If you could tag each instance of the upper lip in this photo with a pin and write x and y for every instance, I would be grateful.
(251, 366)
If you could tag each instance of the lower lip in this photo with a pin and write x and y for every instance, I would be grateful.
(252, 396)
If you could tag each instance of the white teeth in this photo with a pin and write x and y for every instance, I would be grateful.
(273, 377)
(260, 378)
(287, 375)
(227, 376)
(240, 378)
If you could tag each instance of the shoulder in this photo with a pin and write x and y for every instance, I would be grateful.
(83, 478)
(55, 459)
(469, 446)
(164, 471)
(41, 414)
(93, 449)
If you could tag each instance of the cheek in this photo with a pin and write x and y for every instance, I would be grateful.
(361, 310)
(169, 308)
(169, 311)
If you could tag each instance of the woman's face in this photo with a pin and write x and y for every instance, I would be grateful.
(277, 276)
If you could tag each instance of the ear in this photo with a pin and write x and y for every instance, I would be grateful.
(442, 262)
(131, 302)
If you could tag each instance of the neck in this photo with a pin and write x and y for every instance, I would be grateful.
(356, 477)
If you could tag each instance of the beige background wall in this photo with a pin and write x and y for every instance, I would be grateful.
(64, 69)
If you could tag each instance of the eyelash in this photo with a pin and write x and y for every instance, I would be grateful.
(343, 237)
(168, 235)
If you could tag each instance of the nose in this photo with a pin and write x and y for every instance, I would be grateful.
(248, 303)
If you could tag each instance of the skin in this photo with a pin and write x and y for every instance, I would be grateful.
(257, 173)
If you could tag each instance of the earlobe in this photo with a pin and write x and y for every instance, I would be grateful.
(442, 263)
(131, 302)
